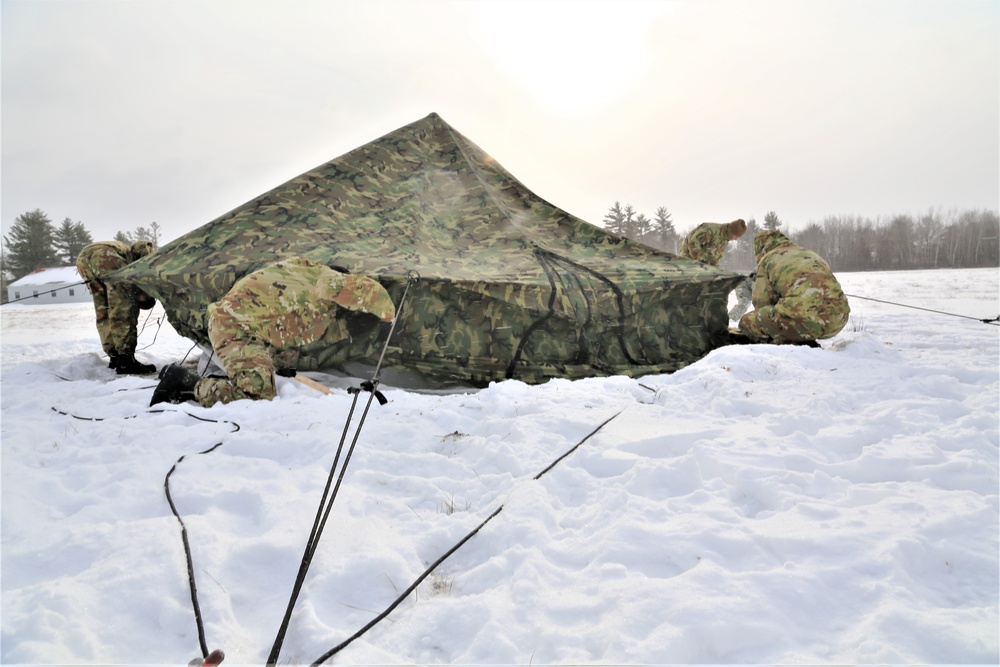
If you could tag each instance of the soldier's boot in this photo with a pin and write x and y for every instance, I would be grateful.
(176, 385)
(113, 361)
(126, 364)
(737, 338)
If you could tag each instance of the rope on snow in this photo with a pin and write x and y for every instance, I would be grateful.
(426, 573)
(188, 558)
(329, 497)
(994, 320)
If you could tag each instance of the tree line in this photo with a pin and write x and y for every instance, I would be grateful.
(34, 242)
(934, 240)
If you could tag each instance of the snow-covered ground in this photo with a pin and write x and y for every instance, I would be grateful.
(764, 505)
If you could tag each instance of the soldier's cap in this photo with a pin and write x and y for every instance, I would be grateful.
(142, 248)
(365, 295)
(737, 228)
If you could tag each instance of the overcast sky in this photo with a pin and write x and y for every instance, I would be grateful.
(120, 113)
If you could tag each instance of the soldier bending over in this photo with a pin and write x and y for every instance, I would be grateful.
(117, 305)
(265, 318)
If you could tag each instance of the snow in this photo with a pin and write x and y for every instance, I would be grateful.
(764, 505)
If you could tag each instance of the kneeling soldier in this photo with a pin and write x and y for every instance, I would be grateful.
(796, 296)
(268, 315)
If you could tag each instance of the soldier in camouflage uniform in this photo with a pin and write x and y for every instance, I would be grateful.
(708, 241)
(260, 324)
(117, 304)
(796, 296)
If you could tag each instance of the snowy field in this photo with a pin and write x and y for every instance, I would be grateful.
(764, 505)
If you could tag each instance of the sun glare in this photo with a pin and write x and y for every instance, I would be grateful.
(572, 59)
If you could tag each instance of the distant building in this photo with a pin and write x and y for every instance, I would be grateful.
(48, 286)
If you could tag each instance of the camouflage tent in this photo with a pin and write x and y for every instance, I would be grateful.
(506, 285)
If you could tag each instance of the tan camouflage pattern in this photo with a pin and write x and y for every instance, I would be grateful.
(509, 285)
(269, 315)
(796, 296)
(707, 242)
(116, 304)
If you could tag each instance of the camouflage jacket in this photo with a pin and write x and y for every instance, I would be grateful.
(291, 302)
(707, 242)
(790, 273)
(107, 256)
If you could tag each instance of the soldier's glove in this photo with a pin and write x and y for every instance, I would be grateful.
(286, 372)
(368, 385)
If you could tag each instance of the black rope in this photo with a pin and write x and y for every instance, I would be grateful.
(427, 572)
(992, 320)
(35, 296)
(319, 523)
(329, 497)
(512, 366)
(159, 325)
(406, 593)
(192, 585)
(619, 300)
(188, 558)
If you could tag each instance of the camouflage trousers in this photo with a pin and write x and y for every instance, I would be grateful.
(249, 363)
(115, 305)
(744, 298)
(783, 324)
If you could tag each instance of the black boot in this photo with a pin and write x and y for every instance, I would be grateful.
(113, 361)
(176, 385)
(126, 364)
(736, 338)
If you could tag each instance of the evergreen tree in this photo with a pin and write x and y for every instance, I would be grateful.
(664, 232)
(614, 220)
(643, 228)
(628, 224)
(70, 239)
(4, 276)
(30, 245)
(124, 237)
(771, 221)
(154, 230)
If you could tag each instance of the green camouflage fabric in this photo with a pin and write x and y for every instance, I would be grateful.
(506, 284)
(269, 315)
(796, 296)
(707, 242)
(116, 304)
